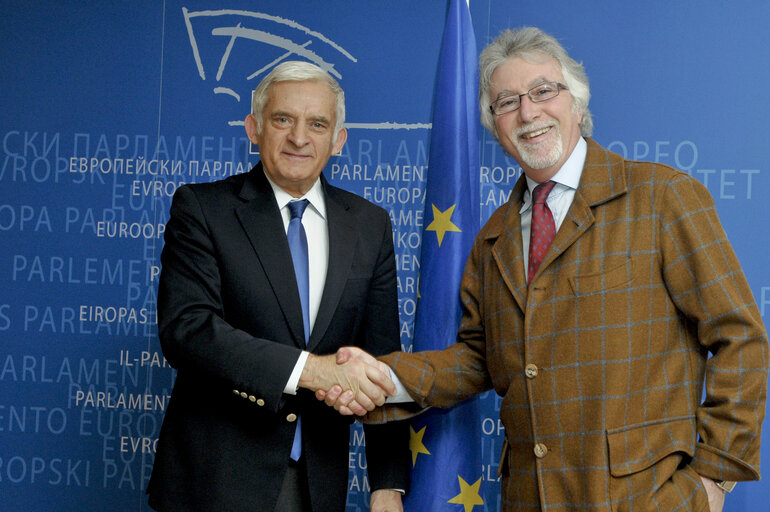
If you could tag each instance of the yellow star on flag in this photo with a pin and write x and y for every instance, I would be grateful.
(442, 222)
(415, 443)
(469, 495)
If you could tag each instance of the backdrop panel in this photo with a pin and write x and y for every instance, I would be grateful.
(108, 107)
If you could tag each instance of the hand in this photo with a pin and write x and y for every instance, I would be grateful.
(715, 493)
(343, 401)
(386, 500)
(366, 380)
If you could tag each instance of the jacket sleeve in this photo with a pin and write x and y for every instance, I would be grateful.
(705, 280)
(443, 378)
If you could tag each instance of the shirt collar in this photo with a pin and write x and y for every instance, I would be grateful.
(314, 196)
(568, 175)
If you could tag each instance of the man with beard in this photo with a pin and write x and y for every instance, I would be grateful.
(598, 302)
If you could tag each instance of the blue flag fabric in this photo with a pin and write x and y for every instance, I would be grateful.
(446, 444)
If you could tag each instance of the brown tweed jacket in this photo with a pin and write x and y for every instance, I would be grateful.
(602, 360)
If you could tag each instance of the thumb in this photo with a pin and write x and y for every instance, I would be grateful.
(344, 355)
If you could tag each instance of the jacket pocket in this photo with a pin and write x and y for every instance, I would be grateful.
(638, 447)
(646, 463)
(616, 277)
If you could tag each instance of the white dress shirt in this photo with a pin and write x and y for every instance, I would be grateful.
(317, 232)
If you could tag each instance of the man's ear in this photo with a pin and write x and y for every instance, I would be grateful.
(342, 136)
(251, 129)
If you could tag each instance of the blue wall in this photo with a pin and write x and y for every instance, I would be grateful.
(109, 106)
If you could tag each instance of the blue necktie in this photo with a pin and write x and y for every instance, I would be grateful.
(298, 245)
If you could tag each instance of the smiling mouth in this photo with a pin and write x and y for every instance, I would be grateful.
(536, 133)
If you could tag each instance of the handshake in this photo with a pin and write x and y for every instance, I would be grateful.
(352, 381)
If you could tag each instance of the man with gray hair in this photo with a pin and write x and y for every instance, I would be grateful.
(606, 307)
(265, 275)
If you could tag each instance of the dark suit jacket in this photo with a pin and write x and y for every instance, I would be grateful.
(601, 360)
(230, 322)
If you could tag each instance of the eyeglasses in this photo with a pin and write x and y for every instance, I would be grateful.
(539, 93)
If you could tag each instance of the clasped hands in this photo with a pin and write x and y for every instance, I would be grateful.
(352, 381)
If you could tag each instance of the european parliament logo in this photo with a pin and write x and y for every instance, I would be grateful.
(234, 49)
(261, 40)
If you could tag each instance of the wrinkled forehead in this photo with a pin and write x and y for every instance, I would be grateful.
(301, 96)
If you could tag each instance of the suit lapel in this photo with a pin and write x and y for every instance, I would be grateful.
(261, 220)
(342, 245)
(602, 179)
(507, 249)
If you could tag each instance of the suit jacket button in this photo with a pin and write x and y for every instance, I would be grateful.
(291, 418)
(530, 371)
(260, 402)
(244, 394)
(252, 398)
(541, 450)
(236, 392)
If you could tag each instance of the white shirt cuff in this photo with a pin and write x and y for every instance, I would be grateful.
(401, 395)
(293, 384)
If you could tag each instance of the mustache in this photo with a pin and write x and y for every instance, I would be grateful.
(532, 127)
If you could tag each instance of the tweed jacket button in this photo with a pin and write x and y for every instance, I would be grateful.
(541, 450)
(530, 371)
(291, 418)
(260, 402)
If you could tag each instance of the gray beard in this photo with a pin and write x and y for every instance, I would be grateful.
(534, 158)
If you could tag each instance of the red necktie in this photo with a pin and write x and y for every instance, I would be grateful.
(543, 228)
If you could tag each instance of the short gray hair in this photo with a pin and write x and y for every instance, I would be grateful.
(531, 43)
(298, 71)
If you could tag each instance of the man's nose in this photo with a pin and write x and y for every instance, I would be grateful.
(298, 134)
(528, 110)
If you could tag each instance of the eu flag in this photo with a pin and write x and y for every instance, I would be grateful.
(445, 444)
